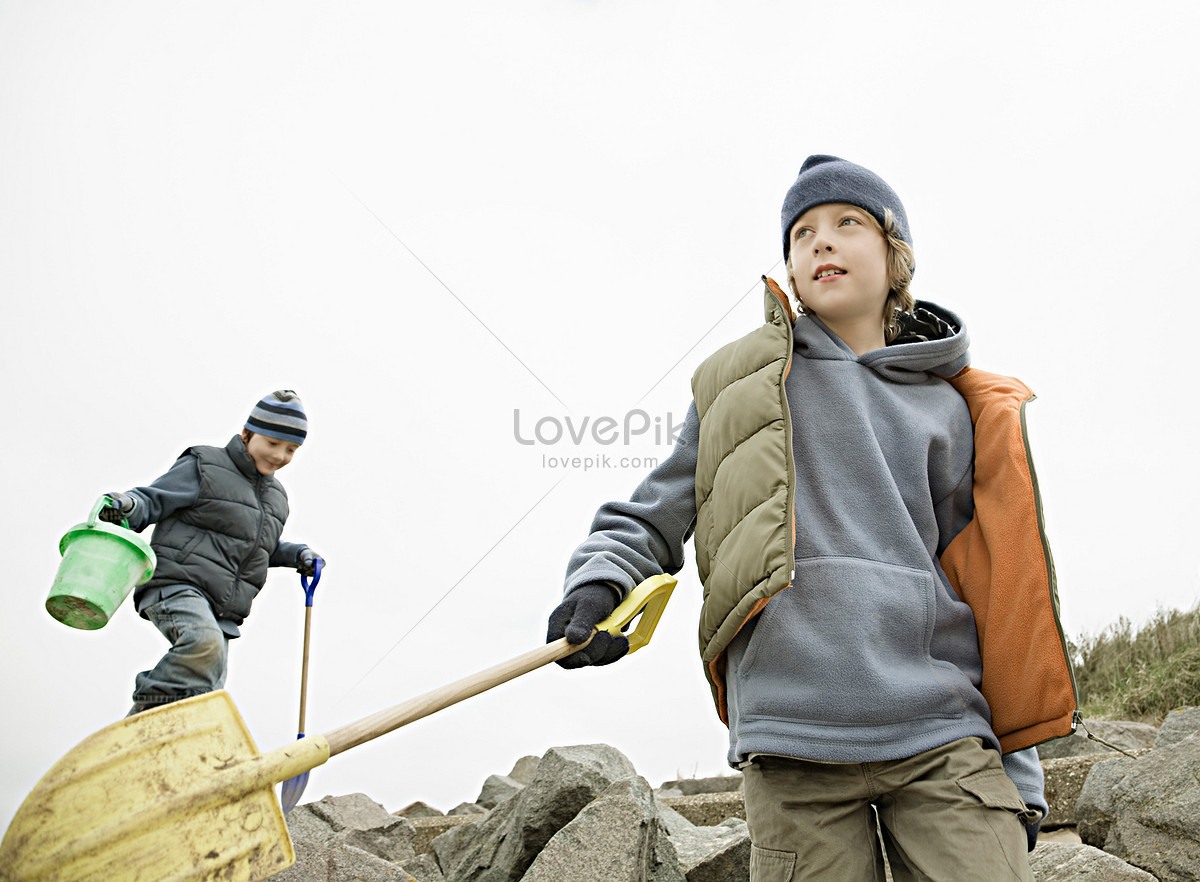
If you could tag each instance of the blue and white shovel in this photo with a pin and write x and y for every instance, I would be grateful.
(293, 788)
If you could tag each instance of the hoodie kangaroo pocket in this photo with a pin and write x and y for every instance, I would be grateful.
(847, 644)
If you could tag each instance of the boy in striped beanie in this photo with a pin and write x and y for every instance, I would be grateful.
(219, 514)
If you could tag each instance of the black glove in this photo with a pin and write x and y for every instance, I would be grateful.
(119, 508)
(577, 616)
(306, 561)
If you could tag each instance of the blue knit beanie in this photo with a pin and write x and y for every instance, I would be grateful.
(279, 415)
(824, 179)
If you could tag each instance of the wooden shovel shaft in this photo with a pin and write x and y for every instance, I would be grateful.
(304, 669)
(368, 728)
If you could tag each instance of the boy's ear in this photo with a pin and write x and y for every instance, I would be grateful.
(245, 436)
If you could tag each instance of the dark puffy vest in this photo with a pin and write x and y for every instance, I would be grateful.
(222, 544)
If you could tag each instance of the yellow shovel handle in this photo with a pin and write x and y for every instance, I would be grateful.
(650, 599)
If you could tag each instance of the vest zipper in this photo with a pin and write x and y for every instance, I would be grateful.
(259, 494)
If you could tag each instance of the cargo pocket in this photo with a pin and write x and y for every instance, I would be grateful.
(767, 865)
(996, 790)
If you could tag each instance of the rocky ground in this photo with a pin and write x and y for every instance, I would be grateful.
(583, 812)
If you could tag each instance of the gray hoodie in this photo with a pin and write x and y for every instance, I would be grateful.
(870, 655)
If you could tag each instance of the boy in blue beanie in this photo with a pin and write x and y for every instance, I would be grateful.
(880, 625)
(219, 514)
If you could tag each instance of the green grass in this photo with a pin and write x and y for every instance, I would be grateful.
(1140, 675)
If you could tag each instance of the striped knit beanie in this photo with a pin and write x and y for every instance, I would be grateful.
(824, 179)
(279, 415)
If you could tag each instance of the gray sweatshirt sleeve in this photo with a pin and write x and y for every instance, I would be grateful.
(1025, 770)
(178, 488)
(286, 554)
(644, 536)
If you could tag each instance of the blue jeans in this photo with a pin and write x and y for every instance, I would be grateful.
(199, 651)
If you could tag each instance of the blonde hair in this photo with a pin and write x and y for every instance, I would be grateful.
(900, 264)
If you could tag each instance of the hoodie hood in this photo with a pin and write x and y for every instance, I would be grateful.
(932, 342)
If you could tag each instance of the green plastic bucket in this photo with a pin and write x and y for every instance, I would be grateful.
(101, 564)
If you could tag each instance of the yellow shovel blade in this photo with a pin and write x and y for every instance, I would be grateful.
(177, 793)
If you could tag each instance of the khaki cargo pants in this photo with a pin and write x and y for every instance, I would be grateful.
(948, 815)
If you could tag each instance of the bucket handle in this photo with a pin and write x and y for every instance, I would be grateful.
(101, 503)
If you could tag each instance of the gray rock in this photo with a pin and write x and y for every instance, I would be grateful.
(312, 861)
(467, 808)
(1124, 734)
(429, 829)
(419, 810)
(475, 851)
(674, 822)
(709, 809)
(423, 868)
(1169, 857)
(1064, 862)
(347, 864)
(354, 822)
(500, 846)
(709, 853)
(1146, 811)
(392, 841)
(715, 784)
(729, 863)
(305, 825)
(1179, 724)
(524, 769)
(339, 863)
(1064, 783)
(617, 837)
(714, 854)
(1060, 834)
(496, 789)
(1096, 809)
(354, 811)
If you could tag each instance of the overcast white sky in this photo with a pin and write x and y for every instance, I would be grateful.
(202, 202)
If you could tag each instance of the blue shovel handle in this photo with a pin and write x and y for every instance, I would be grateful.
(311, 588)
(293, 788)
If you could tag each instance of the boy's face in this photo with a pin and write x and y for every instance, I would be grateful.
(837, 265)
(269, 454)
